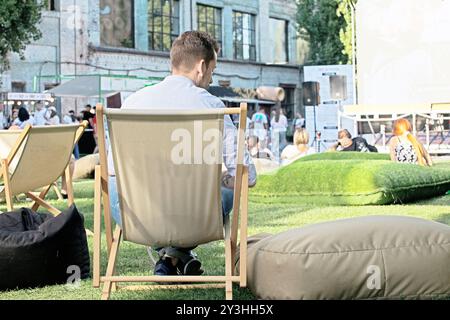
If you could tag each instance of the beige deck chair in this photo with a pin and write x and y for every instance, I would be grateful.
(37, 157)
(163, 203)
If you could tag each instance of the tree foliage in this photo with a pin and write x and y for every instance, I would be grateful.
(346, 34)
(18, 27)
(324, 24)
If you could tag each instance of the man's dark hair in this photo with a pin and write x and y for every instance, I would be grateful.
(191, 47)
(88, 106)
(23, 114)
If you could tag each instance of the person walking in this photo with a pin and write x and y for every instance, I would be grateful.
(260, 125)
(278, 124)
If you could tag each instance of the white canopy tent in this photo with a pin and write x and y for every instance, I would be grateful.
(81, 87)
(100, 86)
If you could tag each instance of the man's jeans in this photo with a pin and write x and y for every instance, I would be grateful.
(76, 151)
(227, 201)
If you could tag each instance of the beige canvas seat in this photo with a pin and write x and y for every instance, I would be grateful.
(165, 201)
(35, 158)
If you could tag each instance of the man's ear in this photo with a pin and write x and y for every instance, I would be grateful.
(202, 67)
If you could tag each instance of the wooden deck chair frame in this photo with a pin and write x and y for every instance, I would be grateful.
(113, 239)
(39, 200)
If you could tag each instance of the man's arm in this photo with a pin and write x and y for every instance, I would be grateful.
(229, 156)
(228, 180)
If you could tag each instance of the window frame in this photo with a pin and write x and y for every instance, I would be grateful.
(252, 31)
(152, 33)
(214, 23)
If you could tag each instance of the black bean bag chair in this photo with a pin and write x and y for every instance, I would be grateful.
(39, 249)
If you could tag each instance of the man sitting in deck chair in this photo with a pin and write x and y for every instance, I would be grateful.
(193, 57)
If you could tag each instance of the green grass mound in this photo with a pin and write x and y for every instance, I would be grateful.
(346, 156)
(352, 182)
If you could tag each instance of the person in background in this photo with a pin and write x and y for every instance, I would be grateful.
(299, 122)
(346, 143)
(299, 149)
(40, 114)
(279, 124)
(94, 127)
(88, 115)
(23, 118)
(247, 128)
(405, 148)
(70, 118)
(257, 151)
(260, 125)
(2, 117)
(53, 118)
(13, 117)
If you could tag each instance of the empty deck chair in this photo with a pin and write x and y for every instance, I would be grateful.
(166, 202)
(37, 157)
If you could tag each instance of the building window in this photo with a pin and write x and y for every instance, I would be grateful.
(209, 19)
(244, 36)
(163, 24)
(117, 23)
(279, 39)
(18, 86)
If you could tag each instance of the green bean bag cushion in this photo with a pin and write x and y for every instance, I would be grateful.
(348, 155)
(352, 182)
(375, 257)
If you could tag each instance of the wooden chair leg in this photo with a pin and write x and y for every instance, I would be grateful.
(236, 211)
(228, 270)
(56, 189)
(7, 183)
(243, 231)
(112, 263)
(42, 195)
(97, 228)
(43, 203)
(107, 212)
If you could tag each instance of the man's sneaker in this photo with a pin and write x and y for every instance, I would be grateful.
(189, 267)
(165, 268)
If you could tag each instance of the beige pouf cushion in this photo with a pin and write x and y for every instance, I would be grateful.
(359, 258)
(85, 166)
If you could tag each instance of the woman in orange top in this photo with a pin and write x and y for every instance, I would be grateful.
(404, 147)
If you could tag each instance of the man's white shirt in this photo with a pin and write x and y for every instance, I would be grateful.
(178, 92)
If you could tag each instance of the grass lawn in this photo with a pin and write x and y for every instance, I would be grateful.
(264, 216)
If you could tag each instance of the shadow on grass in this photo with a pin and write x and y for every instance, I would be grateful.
(133, 260)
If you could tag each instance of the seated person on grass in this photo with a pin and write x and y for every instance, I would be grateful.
(405, 148)
(299, 149)
(193, 57)
(346, 143)
(257, 151)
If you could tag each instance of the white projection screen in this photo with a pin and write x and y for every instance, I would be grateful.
(403, 51)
